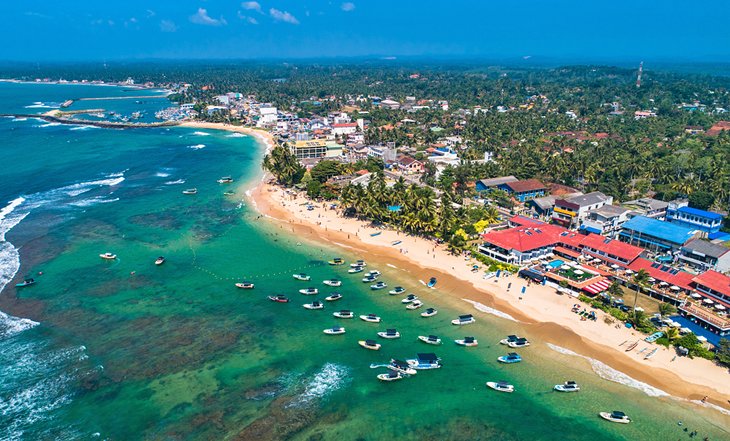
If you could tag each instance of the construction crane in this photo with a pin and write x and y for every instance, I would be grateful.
(638, 77)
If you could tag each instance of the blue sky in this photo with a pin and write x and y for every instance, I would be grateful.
(668, 30)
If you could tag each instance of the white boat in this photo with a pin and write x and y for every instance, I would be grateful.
(415, 304)
(309, 291)
(369, 279)
(508, 339)
(389, 333)
(333, 297)
(390, 376)
(355, 269)
(430, 339)
(314, 305)
(358, 264)
(430, 312)
(568, 386)
(409, 298)
(501, 386)
(332, 282)
(651, 354)
(159, 261)
(344, 314)
(369, 344)
(335, 330)
(301, 276)
(244, 285)
(108, 256)
(374, 273)
(225, 180)
(463, 320)
(519, 343)
(397, 290)
(379, 285)
(425, 361)
(467, 341)
(190, 191)
(615, 417)
(370, 318)
(402, 367)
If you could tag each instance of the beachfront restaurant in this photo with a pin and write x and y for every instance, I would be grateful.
(708, 306)
(521, 245)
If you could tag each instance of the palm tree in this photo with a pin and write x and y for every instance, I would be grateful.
(666, 308)
(641, 278)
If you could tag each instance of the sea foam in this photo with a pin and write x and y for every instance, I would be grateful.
(235, 135)
(201, 133)
(197, 146)
(327, 380)
(484, 308)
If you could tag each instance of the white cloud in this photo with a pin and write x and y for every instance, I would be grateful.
(252, 6)
(168, 26)
(247, 19)
(202, 18)
(283, 16)
(348, 6)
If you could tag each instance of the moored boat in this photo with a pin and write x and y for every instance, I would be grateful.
(336, 261)
(369, 344)
(355, 269)
(370, 318)
(651, 354)
(279, 298)
(358, 263)
(397, 290)
(244, 285)
(414, 304)
(369, 279)
(160, 260)
(430, 312)
(379, 285)
(344, 314)
(430, 339)
(108, 256)
(632, 346)
(615, 417)
(225, 180)
(519, 343)
(508, 339)
(501, 386)
(463, 320)
(309, 291)
(390, 376)
(402, 367)
(389, 333)
(431, 282)
(510, 358)
(568, 386)
(332, 282)
(425, 361)
(24, 283)
(301, 276)
(190, 191)
(333, 297)
(409, 298)
(335, 330)
(467, 341)
(314, 305)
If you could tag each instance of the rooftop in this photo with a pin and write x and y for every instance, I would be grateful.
(526, 185)
(647, 204)
(715, 281)
(663, 230)
(524, 238)
(612, 246)
(592, 198)
(700, 213)
(706, 248)
(610, 210)
(493, 182)
(663, 273)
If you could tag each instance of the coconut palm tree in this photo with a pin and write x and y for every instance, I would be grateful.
(641, 278)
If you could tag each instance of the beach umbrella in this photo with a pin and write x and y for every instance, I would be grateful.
(685, 330)
(639, 308)
(652, 280)
(720, 307)
(695, 295)
(565, 267)
(578, 272)
(675, 288)
(615, 266)
(702, 339)
(663, 284)
(675, 325)
(628, 271)
(708, 301)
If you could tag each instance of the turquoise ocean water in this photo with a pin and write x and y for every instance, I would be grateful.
(127, 350)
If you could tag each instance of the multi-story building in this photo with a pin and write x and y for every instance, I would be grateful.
(524, 190)
(656, 235)
(606, 220)
(678, 212)
(648, 207)
(704, 255)
(570, 212)
(315, 149)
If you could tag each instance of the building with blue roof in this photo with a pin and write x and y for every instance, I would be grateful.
(681, 214)
(656, 235)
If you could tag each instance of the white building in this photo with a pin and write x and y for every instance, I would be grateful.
(267, 116)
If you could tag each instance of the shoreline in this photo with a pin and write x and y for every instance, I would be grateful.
(545, 315)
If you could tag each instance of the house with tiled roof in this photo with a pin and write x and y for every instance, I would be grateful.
(524, 190)
(719, 127)
(491, 183)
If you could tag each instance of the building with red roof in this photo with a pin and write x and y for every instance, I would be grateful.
(720, 126)
(714, 284)
(519, 245)
(664, 273)
(611, 251)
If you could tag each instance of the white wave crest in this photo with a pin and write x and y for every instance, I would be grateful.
(236, 135)
(201, 133)
(484, 308)
(10, 325)
(330, 378)
(19, 119)
(84, 127)
(197, 146)
(93, 201)
(40, 105)
(177, 182)
(162, 174)
(608, 373)
(711, 406)
(53, 124)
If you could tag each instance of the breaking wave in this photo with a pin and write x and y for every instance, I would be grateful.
(177, 182)
(201, 133)
(236, 135)
(484, 308)
(330, 378)
(197, 146)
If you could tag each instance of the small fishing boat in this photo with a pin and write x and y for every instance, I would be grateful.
(370, 318)
(379, 285)
(374, 273)
(355, 269)
(568, 386)
(651, 354)
(389, 333)
(225, 180)
(309, 291)
(335, 330)
(410, 298)
(431, 282)
(301, 276)
(108, 256)
(390, 376)
(344, 314)
(430, 339)
(467, 341)
(414, 304)
(190, 191)
(632, 346)
(615, 417)
(425, 361)
(501, 386)
(24, 283)
(314, 305)
(369, 279)
(396, 242)
(333, 297)
(508, 339)
(519, 343)
(397, 290)
(229, 192)
(654, 337)
(332, 282)
(463, 320)
(369, 344)
(510, 358)
(401, 367)
(376, 234)
(337, 261)
(279, 299)
(244, 285)
(430, 312)
(160, 260)
(358, 263)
